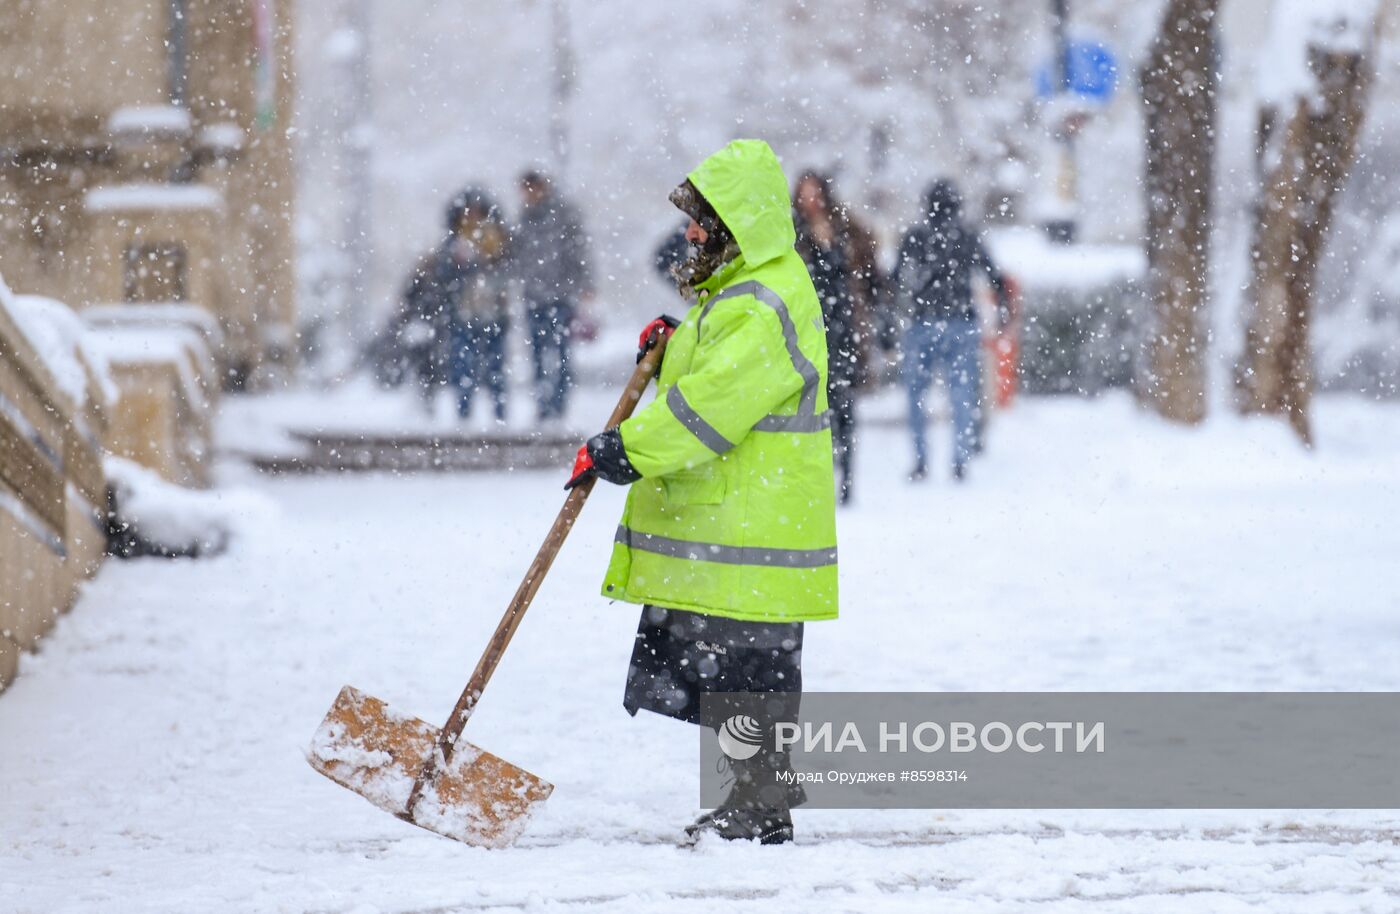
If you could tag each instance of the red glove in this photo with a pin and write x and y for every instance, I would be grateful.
(583, 468)
(655, 332)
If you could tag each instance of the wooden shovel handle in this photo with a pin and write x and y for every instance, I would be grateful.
(447, 739)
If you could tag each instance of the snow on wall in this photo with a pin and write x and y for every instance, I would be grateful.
(149, 119)
(162, 345)
(225, 136)
(153, 197)
(162, 314)
(62, 342)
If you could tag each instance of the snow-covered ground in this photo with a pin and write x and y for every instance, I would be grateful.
(151, 755)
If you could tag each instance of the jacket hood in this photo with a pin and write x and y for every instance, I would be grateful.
(470, 198)
(745, 185)
(942, 203)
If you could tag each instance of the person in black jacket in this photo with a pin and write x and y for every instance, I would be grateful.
(933, 279)
(826, 249)
(481, 246)
(550, 255)
(427, 324)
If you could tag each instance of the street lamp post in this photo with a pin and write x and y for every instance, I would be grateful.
(1061, 225)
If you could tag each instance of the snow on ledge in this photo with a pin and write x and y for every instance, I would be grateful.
(149, 119)
(170, 345)
(159, 314)
(64, 343)
(224, 136)
(116, 197)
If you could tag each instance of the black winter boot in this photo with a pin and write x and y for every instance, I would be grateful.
(767, 826)
(756, 808)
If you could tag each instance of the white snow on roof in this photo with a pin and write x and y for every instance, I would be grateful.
(153, 197)
(149, 119)
(1038, 262)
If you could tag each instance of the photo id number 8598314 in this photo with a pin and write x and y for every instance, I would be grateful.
(933, 775)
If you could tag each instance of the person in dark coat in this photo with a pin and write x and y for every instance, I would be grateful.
(933, 279)
(427, 325)
(482, 304)
(868, 285)
(550, 258)
(826, 250)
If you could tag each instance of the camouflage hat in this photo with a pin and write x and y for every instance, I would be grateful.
(718, 248)
(689, 200)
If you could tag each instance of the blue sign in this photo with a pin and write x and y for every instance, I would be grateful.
(1093, 73)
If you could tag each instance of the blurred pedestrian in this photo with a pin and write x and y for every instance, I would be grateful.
(550, 257)
(933, 279)
(426, 325)
(868, 284)
(482, 304)
(830, 259)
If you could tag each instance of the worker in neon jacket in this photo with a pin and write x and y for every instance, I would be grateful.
(728, 539)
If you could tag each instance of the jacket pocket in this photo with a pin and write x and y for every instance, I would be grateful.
(693, 488)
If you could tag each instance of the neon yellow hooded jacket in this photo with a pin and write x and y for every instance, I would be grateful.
(734, 515)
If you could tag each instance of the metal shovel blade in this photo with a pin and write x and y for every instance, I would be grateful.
(478, 798)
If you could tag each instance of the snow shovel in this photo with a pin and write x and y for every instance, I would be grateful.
(430, 776)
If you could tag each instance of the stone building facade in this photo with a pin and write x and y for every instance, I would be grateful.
(145, 158)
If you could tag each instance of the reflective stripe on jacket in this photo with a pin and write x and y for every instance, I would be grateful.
(735, 513)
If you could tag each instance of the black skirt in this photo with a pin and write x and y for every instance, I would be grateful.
(679, 656)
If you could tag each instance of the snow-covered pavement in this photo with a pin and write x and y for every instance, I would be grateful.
(151, 756)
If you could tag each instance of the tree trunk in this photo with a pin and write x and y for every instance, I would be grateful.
(1179, 97)
(1305, 152)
